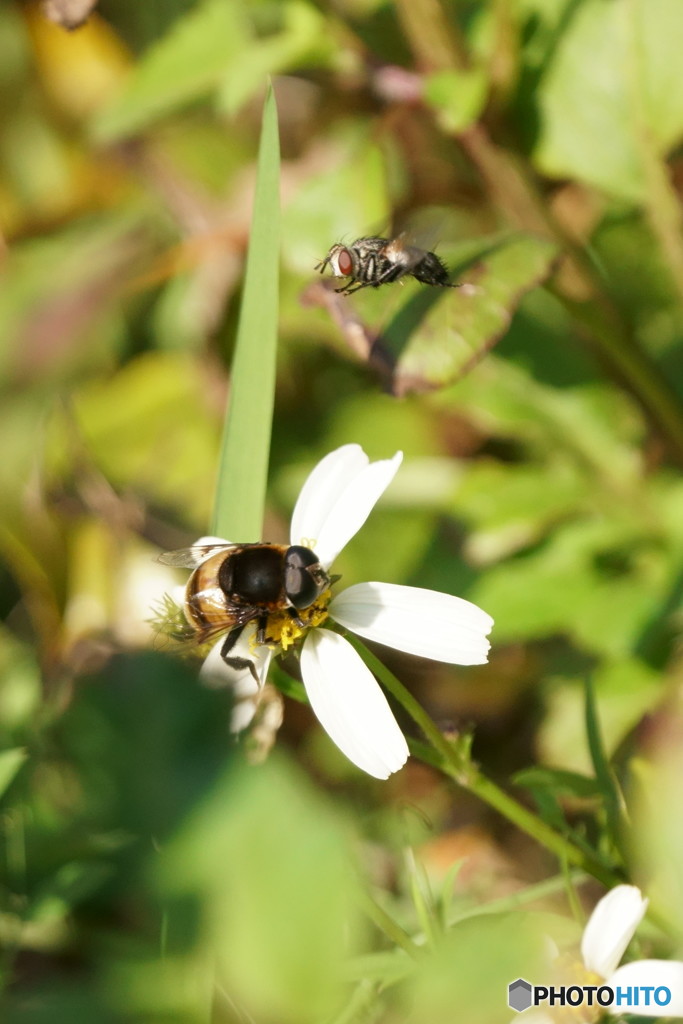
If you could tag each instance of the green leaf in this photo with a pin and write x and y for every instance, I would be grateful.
(457, 96)
(657, 30)
(59, 307)
(560, 781)
(386, 968)
(266, 859)
(529, 499)
(597, 582)
(437, 336)
(344, 200)
(10, 763)
(625, 690)
(657, 828)
(185, 64)
(467, 976)
(611, 89)
(175, 464)
(243, 472)
(303, 39)
(593, 427)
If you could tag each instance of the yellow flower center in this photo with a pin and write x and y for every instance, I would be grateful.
(572, 972)
(284, 631)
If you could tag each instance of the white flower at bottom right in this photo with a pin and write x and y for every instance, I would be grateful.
(608, 932)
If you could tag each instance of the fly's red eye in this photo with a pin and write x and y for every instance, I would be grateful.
(345, 263)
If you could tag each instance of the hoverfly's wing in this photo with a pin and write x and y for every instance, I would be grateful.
(190, 558)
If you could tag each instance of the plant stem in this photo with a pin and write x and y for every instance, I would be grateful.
(465, 773)
(387, 925)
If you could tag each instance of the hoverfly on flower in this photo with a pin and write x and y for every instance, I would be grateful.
(235, 584)
(257, 601)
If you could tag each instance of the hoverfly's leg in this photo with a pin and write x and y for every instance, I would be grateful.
(230, 641)
(237, 663)
(294, 614)
(261, 629)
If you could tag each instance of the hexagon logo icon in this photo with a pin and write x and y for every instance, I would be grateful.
(519, 995)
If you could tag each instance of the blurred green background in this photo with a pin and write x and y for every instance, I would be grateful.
(148, 873)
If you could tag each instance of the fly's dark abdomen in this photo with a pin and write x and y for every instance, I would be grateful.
(430, 270)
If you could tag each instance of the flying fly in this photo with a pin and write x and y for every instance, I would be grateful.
(373, 261)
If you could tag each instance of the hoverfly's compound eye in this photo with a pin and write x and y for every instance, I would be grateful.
(345, 263)
(305, 579)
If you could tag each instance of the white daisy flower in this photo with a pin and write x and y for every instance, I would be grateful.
(334, 502)
(608, 932)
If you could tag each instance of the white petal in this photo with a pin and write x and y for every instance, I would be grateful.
(350, 705)
(353, 506)
(657, 973)
(610, 928)
(245, 690)
(322, 489)
(423, 622)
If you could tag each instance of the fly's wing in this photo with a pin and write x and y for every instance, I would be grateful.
(413, 238)
(403, 252)
(425, 228)
(190, 558)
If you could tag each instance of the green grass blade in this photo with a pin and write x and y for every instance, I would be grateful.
(604, 775)
(243, 467)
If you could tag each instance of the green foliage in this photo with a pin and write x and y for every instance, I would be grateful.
(185, 64)
(609, 94)
(10, 763)
(435, 349)
(243, 465)
(252, 880)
